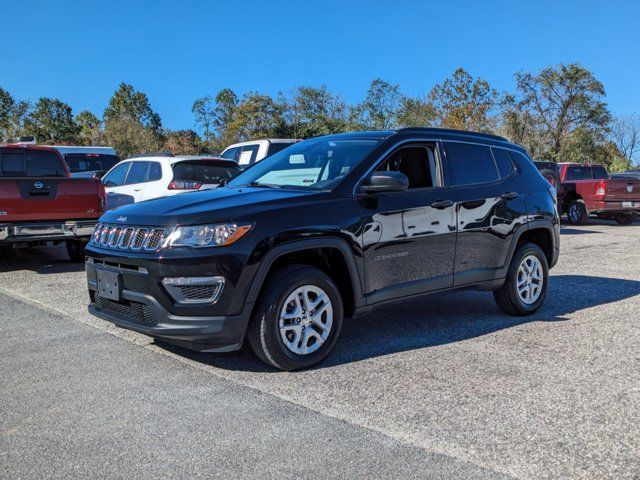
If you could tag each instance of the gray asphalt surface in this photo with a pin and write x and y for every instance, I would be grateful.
(444, 387)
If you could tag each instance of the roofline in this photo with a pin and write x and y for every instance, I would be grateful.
(452, 131)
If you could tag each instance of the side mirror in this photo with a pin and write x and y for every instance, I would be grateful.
(98, 175)
(385, 182)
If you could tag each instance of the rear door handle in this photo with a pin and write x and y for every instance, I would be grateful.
(510, 195)
(439, 204)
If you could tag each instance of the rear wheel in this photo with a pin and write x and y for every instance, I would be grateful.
(577, 213)
(75, 250)
(525, 287)
(625, 218)
(297, 319)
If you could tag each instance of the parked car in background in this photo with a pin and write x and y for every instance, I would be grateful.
(248, 153)
(41, 204)
(143, 178)
(329, 228)
(87, 162)
(588, 189)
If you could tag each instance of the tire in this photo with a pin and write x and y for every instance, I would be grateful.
(577, 213)
(625, 218)
(265, 333)
(75, 250)
(508, 297)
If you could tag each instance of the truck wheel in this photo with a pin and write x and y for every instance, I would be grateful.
(75, 250)
(577, 213)
(525, 287)
(625, 218)
(297, 319)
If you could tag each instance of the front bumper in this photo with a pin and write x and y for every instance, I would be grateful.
(144, 304)
(46, 231)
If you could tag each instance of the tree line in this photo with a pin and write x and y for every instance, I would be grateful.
(558, 113)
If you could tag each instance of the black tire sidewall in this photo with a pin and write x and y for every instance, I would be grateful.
(583, 213)
(512, 278)
(289, 280)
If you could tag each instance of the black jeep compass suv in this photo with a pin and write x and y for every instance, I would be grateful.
(328, 228)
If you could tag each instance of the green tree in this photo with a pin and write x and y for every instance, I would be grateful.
(90, 129)
(130, 124)
(561, 100)
(416, 112)
(52, 121)
(584, 145)
(257, 116)
(379, 111)
(465, 103)
(215, 116)
(13, 115)
(315, 111)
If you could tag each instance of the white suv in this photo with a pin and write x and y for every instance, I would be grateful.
(248, 153)
(143, 178)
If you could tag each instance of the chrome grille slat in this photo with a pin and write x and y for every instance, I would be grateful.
(128, 237)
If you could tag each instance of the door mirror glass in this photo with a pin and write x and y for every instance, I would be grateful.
(384, 181)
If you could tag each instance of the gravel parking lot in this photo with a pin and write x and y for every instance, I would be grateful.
(444, 387)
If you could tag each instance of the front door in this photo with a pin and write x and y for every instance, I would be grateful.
(409, 237)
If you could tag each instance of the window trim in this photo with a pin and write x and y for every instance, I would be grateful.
(392, 150)
(450, 164)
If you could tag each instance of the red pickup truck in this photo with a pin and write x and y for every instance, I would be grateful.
(587, 189)
(41, 204)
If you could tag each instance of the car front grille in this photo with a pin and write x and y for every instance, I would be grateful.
(129, 310)
(126, 237)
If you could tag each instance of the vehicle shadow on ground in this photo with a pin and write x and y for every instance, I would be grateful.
(440, 319)
(577, 231)
(39, 260)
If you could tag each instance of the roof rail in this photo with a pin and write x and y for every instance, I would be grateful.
(450, 130)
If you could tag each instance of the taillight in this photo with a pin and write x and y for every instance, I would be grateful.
(601, 190)
(102, 197)
(184, 185)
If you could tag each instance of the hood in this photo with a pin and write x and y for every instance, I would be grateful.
(207, 206)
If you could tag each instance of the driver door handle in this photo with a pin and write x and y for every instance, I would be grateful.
(510, 195)
(439, 204)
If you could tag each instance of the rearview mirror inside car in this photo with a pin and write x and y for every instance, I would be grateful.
(385, 182)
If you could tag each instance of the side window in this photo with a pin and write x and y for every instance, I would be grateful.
(470, 164)
(137, 173)
(276, 147)
(232, 153)
(503, 161)
(155, 171)
(115, 177)
(248, 154)
(418, 163)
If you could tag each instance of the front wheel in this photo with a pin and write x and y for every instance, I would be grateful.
(297, 319)
(625, 218)
(525, 287)
(75, 250)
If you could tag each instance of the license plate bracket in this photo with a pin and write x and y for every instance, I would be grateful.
(109, 284)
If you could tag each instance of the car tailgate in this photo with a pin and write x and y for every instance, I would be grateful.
(32, 199)
(623, 189)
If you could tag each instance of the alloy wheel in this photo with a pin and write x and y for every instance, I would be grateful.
(530, 280)
(305, 319)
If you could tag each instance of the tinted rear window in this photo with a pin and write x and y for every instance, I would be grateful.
(203, 172)
(31, 163)
(600, 173)
(505, 165)
(89, 162)
(470, 164)
(579, 173)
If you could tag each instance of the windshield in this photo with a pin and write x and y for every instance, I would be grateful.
(318, 164)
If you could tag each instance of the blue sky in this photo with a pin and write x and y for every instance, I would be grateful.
(79, 51)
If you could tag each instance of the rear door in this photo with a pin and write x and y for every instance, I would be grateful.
(490, 206)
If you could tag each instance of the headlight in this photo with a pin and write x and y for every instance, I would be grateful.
(208, 235)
